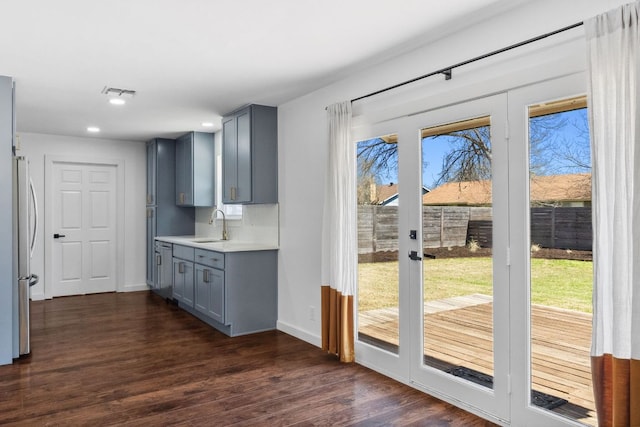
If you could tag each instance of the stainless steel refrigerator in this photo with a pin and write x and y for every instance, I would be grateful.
(25, 226)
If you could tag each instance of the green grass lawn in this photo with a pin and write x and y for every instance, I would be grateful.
(557, 283)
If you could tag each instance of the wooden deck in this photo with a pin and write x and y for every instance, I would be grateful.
(460, 334)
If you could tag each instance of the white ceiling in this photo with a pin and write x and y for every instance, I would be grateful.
(192, 61)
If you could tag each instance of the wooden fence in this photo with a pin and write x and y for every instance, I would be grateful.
(448, 226)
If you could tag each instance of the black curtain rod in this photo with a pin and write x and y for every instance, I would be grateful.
(447, 71)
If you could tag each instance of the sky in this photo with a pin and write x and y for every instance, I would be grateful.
(571, 134)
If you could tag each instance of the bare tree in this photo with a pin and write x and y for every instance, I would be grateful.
(552, 152)
(377, 156)
(469, 156)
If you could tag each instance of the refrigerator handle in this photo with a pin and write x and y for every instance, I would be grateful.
(35, 211)
(33, 280)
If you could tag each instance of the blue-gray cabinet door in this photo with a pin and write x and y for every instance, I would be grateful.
(210, 292)
(151, 172)
(184, 170)
(195, 169)
(204, 169)
(250, 155)
(151, 234)
(183, 281)
(229, 159)
(237, 157)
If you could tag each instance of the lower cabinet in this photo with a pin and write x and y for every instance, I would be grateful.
(163, 273)
(183, 277)
(235, 292)
(210, 292)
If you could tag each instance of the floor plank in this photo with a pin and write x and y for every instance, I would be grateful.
(132, 359)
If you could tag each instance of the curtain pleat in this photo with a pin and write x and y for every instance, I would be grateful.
(337, 324)
(613, 43)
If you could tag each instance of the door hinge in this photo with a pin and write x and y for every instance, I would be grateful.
(508, 257)
(506, 129)
(508, 384)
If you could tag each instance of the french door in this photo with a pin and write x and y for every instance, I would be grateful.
(453, 297)
(448, 334)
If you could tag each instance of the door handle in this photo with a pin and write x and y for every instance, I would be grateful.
(414, 256)
(57, 236)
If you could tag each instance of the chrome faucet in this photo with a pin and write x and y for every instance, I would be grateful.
(225, 236)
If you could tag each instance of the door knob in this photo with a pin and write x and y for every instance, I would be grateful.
(57, 236)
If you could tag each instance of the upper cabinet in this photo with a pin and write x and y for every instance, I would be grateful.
(164, 218)
(250, 155)
(195, 169)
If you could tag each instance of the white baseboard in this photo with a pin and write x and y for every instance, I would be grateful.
(37, 297)
(134, 288)
(129, 288)
(299, 333)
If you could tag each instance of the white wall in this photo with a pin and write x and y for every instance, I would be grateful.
(303, 129)
(36, 146)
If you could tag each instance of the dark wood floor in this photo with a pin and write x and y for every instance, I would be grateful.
(132, 359)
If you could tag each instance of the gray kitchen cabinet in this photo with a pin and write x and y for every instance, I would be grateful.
(164, 218)
(183, 275)
(236, 292)
(195, 169)
(250, 155)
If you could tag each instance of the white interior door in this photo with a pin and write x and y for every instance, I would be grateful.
(83, 218)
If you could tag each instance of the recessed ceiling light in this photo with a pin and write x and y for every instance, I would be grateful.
(93, 129)
(118, 96)
(207, 124)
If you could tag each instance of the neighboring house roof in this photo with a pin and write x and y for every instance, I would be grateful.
(544, 189)
(386, 191)
(388, 194)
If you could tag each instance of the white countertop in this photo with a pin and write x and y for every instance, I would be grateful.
(217, 245)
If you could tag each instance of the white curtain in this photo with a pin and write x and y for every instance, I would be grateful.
(339, 220)
(339, 240)
(613, 44)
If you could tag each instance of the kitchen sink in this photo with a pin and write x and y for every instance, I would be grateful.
(205, 240)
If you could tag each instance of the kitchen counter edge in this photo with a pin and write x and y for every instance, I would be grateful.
(219, 246)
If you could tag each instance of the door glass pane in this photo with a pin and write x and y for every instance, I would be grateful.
(378, 242)
(561, 258)
(457, 240)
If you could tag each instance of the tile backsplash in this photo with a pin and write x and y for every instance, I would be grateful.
(259, 223)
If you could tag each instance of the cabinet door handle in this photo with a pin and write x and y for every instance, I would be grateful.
(158, 259)
(205, 274)
(149, 199)
(181, 267)
(233, 193)
(181, 198)
(149, 213)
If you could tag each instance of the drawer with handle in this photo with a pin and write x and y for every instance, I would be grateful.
(209, 258)
(183, 252)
